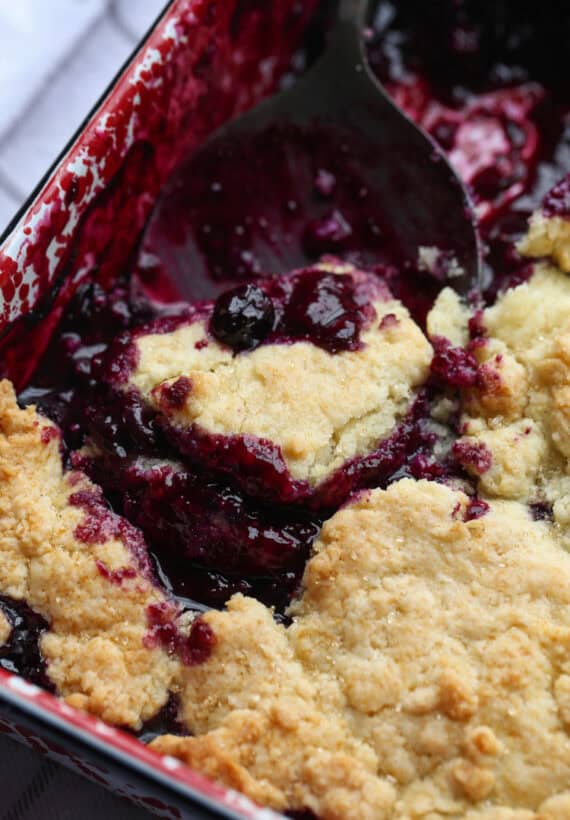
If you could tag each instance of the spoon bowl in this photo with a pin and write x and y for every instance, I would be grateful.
(330, 166)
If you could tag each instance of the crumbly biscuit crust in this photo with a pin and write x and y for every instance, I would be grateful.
(453, 705)
(521, 410)
(95, 644)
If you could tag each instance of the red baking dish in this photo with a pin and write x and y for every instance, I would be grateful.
(202, 62)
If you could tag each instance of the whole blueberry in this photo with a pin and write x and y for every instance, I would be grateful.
(242, 317)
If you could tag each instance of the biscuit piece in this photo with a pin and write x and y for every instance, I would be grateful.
(263, 725)
(78, 571)
(549, 228)
(548, 236)
(426, 672)
(520, 410)
(317, 408)
(449, 317)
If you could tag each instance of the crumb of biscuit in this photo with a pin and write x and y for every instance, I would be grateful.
(517, 453)
(426, 662)
(548, 236)
(94, 645)
(501, 394)
(449, 317)
(5, 629)
(520, 408)
(321, 409)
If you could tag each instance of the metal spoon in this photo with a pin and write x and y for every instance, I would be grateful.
(333, 152)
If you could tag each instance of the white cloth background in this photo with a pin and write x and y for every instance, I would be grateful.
(56, 58)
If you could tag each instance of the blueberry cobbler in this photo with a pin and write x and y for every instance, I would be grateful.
(311, 537)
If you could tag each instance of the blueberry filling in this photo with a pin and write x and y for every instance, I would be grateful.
(164, 722)
(242, 317)
(324, 309)
(475, 455)
(173, 396)
(557, 201)
(192, 648)
(454, 366)
(476, 509)
(21, 654)
(504, 124)
(329, 310)
(190, 516)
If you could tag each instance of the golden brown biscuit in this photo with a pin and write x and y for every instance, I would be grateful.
(520, 409)
(427, 661)
(75, 567)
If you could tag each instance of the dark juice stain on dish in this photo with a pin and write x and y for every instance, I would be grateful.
(165, 722)
(21, 653)
(502, 116)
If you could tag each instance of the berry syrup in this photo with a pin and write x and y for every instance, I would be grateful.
(487, 81)
(21, 654)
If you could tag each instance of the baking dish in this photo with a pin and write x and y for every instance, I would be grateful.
(201, 63)
(463, 632)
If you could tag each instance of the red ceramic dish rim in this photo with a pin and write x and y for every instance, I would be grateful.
(127, 750)
(19, 234)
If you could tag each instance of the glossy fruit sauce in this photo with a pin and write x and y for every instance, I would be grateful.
(488, 81)
(485, 79)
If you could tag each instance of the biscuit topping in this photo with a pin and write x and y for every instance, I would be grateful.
(311, 404)
(90, 630)
(455, 697)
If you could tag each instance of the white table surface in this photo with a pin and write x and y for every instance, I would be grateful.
(56, 58)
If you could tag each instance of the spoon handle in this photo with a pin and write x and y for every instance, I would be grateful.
(353, 13)
(351, 16)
